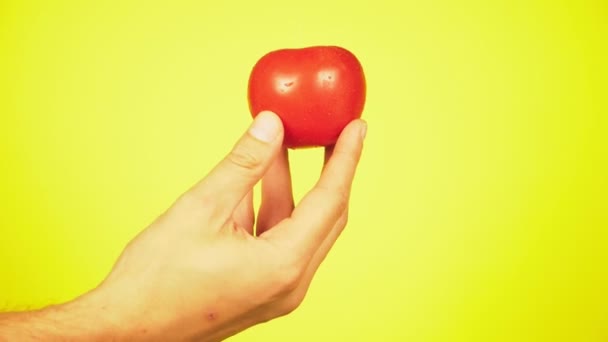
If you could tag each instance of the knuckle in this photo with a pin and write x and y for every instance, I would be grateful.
(288, 277)
(342, 199)
(191, 206)
(343, 220)
(245, 158)
(339, 196)
(292, 303)
(191, 202)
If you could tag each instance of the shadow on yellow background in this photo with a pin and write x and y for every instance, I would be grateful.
(479, 212)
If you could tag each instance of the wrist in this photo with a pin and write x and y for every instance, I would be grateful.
(117, 315)
(92, 319)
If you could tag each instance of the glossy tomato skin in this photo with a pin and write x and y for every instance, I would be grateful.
(316, 91)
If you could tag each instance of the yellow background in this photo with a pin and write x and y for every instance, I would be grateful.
(480, 208)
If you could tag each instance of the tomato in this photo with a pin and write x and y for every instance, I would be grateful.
(315, 90)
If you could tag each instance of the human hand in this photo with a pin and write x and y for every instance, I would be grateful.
(198, 273)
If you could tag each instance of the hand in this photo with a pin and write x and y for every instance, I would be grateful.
(199, 273)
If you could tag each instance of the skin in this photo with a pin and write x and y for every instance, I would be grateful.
(198, 273)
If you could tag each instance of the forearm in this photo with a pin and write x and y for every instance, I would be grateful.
(98, 317)
(79, 320)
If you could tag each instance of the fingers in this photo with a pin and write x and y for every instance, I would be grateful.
(243, 214)
(329, 241)
(329, 151)
(228, 183)
(319, 211)
(277, 194)
(321, 253)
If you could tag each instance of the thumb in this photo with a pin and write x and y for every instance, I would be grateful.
(228, 183)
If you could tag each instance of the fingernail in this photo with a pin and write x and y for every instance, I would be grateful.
(363, 130)
(265, 127)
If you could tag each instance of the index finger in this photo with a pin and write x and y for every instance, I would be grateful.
(314, 217)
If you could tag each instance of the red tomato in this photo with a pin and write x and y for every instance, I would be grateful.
(316, 91)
